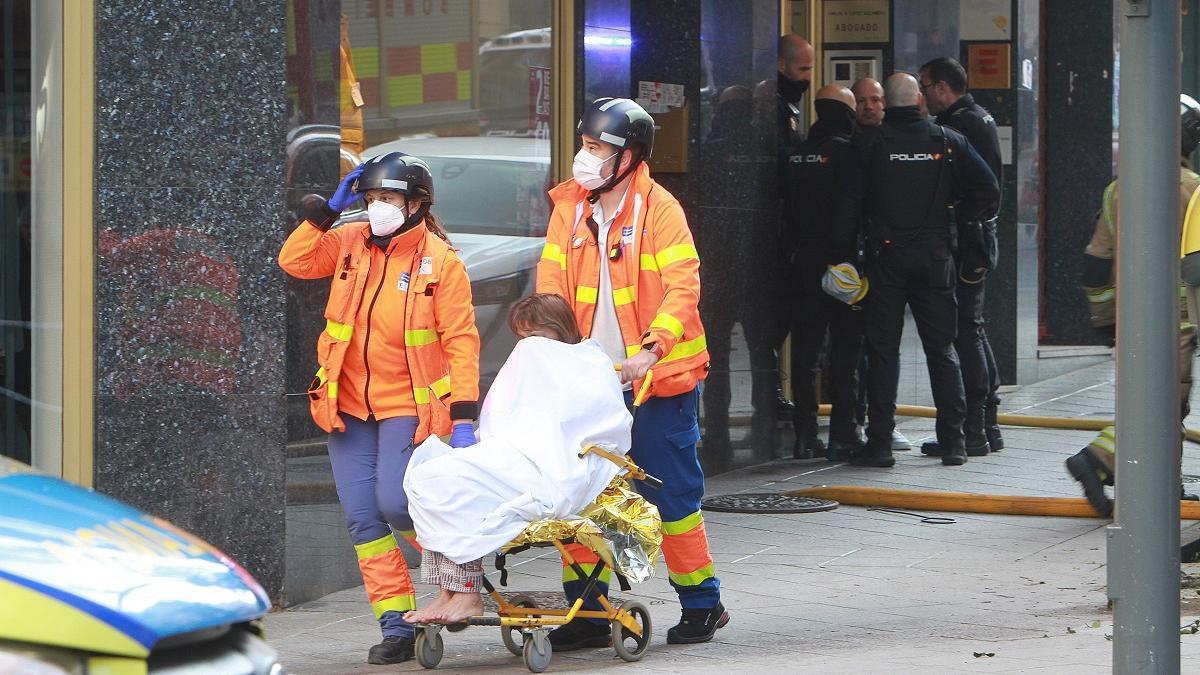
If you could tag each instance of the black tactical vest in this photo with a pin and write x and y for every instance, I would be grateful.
(909, 178)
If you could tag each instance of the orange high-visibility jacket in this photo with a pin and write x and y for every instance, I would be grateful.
(441, 343)
(656, 277)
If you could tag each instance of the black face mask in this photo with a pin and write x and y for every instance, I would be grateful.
(834, 118)
(791, 90)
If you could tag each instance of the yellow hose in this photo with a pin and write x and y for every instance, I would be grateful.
(1074, 423)
(966, 502)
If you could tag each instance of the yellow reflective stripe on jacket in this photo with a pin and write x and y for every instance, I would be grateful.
(670, 323)
(648, 263)
(339, 331)
(683, 525)
(332, 390)
(1105, 295)
(694, 578)
(420, 337)
(1106, 205)
(673, 254)
(682, 350)
(377, 547)
(399, 603)
(438, 388)
(587, 294)
(441, 387)
(554, 252)
(624, 296)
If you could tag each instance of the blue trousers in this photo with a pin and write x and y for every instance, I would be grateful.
(369, 460)
(665, 432)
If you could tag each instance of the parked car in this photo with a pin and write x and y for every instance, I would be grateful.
(91, 585)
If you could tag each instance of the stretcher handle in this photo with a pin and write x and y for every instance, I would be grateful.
(644, 392)
(631, 470)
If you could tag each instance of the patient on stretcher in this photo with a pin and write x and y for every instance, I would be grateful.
(554, 396)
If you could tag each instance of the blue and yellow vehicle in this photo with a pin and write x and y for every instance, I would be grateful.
(89, 585)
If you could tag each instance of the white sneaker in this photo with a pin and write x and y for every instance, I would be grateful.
(899, 442)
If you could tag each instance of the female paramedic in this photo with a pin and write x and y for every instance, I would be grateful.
(399, 361)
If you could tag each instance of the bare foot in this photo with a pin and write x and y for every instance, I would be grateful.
(430, 612)
(461, 607)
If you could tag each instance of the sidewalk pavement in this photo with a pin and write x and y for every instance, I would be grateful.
(848, 590)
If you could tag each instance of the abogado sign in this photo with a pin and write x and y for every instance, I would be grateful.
(857, 21)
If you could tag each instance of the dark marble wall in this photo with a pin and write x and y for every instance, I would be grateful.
(191, 116)
(1077, 99)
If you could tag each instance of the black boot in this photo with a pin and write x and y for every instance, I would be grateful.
(882, 459)
(580, 634)
(808, 446)
(697, 625)
(991, 427)
(1092, 476)
(839, 450)
(391, 650)
(954, 457)
(973, 435)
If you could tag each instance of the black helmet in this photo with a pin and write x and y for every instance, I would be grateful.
(619, 121)
(406, 174)
(1189, 124)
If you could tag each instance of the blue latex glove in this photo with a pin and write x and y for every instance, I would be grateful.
(345, 194)
(462, 436)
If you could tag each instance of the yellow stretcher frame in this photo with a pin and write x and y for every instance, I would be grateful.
(534, 622)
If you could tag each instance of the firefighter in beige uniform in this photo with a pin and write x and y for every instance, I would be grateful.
(1094, 465)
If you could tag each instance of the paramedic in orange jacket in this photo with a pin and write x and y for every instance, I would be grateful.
(619, 250)
(399, 361)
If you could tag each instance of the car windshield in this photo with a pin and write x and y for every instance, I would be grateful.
(479, 195)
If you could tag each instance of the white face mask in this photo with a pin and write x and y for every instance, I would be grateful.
(586, 169)
(385, 218)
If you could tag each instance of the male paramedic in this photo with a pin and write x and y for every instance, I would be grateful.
(619, 250)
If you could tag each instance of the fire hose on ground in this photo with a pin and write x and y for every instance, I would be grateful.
(968, 502)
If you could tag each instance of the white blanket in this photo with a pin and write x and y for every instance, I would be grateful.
(548, 401)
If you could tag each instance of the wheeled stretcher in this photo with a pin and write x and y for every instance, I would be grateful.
(525, 627)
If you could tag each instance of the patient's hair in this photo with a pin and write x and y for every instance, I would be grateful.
(546, 312)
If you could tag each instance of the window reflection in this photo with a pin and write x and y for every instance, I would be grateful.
(607, 42)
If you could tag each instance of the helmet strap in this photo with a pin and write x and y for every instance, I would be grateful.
(413, 219)
(614, 179)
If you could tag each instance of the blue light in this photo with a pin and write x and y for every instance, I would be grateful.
(607, 41)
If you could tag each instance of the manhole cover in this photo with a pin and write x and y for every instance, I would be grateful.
(766, 502)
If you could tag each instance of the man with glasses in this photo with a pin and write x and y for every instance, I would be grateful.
(944, 85)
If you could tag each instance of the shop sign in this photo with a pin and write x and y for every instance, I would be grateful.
(989, 66)
(539, 102)
(857, 21)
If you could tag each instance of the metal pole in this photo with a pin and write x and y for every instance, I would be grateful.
(1143, 542)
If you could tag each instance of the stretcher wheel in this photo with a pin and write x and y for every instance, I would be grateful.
(537, 653)
(507, 632)
(429, 649)
(631, 647)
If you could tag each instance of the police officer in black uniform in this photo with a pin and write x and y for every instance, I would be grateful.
(822, 191)
(914, 171)
(944, 84)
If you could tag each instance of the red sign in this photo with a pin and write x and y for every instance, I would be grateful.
(540, 102)
(988, 65)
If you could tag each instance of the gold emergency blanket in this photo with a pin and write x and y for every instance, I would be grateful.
(622, 528)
